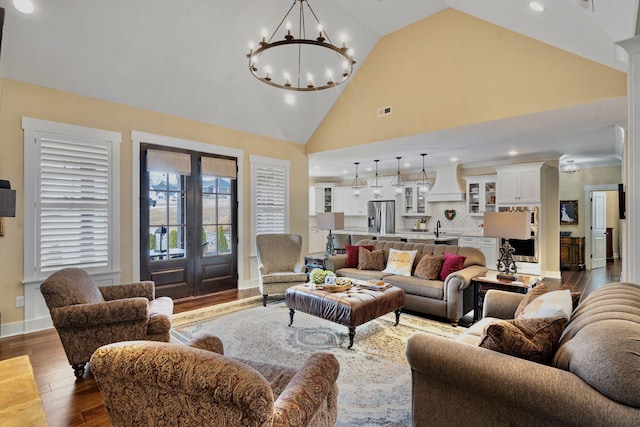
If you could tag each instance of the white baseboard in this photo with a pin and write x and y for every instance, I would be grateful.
(20, 328)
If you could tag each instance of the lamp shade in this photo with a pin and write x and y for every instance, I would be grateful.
(7, 199)
(508, 225)
(330, 220)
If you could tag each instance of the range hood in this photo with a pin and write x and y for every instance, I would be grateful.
(447, 186)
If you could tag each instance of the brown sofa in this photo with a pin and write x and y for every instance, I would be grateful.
(451, 298)
(152, 384)
(593, 379)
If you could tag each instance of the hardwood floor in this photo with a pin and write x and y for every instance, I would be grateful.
(68, 402)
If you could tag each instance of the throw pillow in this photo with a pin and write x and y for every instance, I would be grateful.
(533, 293)
(451, 264)
(400, 262)
(370, 260)
(530, 339)
(551, 304)
(352, 255)
(429, 267)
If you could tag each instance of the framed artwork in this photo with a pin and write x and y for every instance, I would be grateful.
(568, 212)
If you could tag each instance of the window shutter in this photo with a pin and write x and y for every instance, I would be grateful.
(74, 202)
(271, 199)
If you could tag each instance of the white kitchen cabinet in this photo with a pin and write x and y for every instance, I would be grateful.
(519, 183)
(412, 202)
(343, 201)
(359, 205)
(487, 245)
(320, 198)
(481, 194)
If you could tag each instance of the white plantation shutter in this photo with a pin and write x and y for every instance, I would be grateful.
(71, 200)
(74, 203)
(270, 191)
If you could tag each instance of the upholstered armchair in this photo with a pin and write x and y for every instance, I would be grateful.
(279, 265)
(87, 316)
(150, 383)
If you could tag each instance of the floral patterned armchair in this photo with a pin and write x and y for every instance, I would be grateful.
(279, 265)
(87, 316)
(149, 383)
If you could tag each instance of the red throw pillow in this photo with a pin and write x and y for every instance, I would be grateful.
(352, 255)
(451, 264)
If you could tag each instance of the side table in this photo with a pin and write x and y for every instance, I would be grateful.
(312, 261)
(487, 281)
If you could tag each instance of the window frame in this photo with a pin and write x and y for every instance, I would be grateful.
(32, 205)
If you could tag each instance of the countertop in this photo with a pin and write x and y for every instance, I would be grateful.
(411, 234)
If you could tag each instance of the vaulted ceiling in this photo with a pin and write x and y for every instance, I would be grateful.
(187, 58)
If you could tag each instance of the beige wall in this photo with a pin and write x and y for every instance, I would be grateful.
(21, 99)
(451, 70)
(572, 188)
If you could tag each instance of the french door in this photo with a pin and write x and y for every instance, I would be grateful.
(188, 222)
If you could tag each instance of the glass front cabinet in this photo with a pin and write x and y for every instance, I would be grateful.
(413, 202)
(481, 194)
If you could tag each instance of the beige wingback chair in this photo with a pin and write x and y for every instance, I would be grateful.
(87, 316)
(148, 383)
(279, 265)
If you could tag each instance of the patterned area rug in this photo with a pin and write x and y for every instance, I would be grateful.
(374, 380)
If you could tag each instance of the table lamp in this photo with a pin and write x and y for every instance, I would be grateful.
(330, 221)
(507, 225)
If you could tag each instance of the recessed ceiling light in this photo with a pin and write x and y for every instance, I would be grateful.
(537, 6)
(454, 159)
(513, 152)
(24, 6)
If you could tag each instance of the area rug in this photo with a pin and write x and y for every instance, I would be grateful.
(375, 379)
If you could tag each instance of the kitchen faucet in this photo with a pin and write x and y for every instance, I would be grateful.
(438, 229)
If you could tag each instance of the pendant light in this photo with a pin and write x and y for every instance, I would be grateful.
(398, 182)
(376, 184)
(357, 184)
(423, 182)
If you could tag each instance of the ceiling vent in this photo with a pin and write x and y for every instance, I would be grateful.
(385, 111)
(586, 4)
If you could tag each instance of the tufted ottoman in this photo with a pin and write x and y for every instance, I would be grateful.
(350, 308)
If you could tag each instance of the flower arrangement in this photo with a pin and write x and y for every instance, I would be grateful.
(317, 275)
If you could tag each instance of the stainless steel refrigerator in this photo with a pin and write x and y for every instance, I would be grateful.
(382, 216)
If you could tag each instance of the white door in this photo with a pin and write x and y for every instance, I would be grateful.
(598, 229)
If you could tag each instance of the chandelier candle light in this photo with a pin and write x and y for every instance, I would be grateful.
(296, 54)
(571, 167)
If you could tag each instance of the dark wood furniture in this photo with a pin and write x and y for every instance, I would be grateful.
(572, 253)
(350, 308)
(487, 281)
(312, 261)
(609, 244)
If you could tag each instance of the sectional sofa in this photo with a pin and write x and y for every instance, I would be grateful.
(591, 379)
(450, 298)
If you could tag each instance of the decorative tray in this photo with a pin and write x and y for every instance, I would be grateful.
(376, 285)
(334, 288)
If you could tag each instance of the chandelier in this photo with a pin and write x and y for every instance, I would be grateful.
(423, 182)
(357, 184)
(397, 181)
(570, 167)
(376, 184)
(295, 54)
